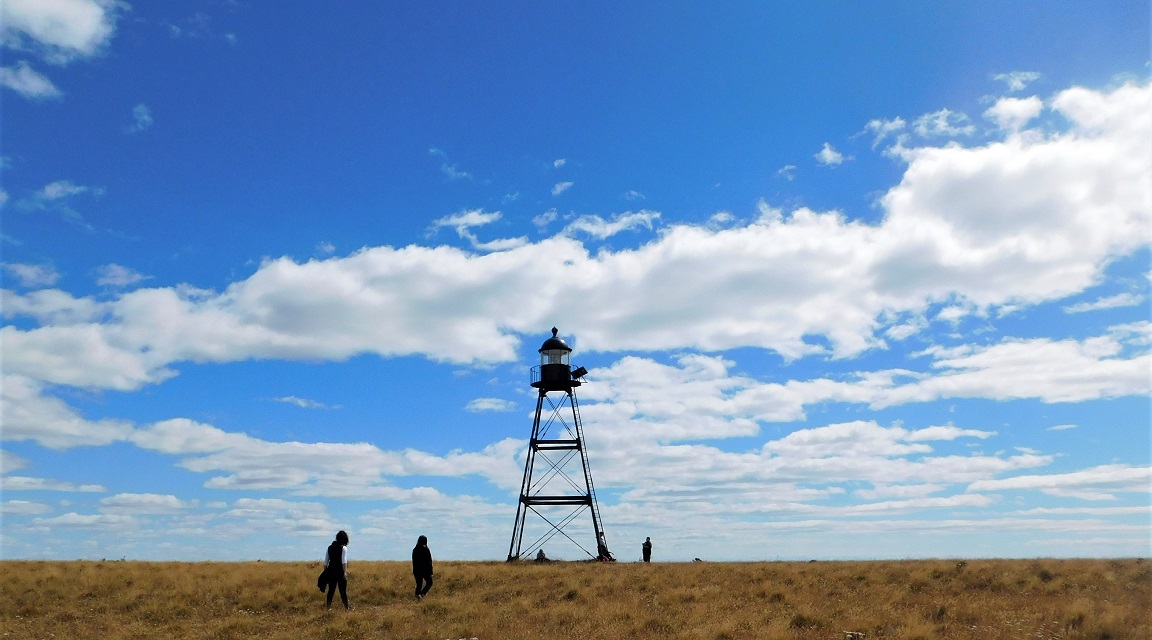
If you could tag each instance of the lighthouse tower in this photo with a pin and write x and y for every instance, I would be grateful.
(555, 493)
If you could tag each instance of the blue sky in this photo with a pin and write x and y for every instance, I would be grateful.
(850, 281)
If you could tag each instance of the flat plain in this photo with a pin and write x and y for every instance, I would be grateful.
(987, 599)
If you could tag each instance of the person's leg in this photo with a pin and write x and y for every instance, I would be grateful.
(427, 585)
(419, 581)
(331, 592)
(344, 591)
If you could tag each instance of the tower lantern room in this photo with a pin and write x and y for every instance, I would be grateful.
(555, 370)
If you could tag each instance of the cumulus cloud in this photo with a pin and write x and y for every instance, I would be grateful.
(32, 275)
(60, 30)
(25, 483)
(943, 123)
(10, 462)
(464, 221)
(1097, 483)
(110, 522)
(454, 172)
(29, 414)
(788, 172)
(829, 156)
(1015, 222)
(135, 504)
(559, 162)
(28, 82)
(881, 129)
(1012, 114)
(1108, 302)
(497, 405)
(57, 197)
(23, 508)
(117, 276)
(561, 187)
(303, 403)
(599, 228)
(711, 401)
(141, 119)
(1017, 80)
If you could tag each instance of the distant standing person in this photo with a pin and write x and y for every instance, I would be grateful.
(647, 548)
(336, 568)
(422, 566)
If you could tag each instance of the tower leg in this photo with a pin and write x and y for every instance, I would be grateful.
(525, 485)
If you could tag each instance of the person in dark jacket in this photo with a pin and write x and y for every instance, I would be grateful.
(646, 549)
(336, 568)
(422, 566)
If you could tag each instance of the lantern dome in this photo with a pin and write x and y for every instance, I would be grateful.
(554, 343)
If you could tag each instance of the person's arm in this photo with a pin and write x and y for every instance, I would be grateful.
(344, 559)
(325, 559)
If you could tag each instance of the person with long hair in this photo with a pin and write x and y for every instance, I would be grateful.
(336, 568)
(422, 566)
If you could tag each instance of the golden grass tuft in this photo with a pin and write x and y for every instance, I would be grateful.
(906, 600)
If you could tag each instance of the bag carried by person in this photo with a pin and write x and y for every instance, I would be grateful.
(322, 581)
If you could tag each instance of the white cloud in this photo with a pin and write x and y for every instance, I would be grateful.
(117, 276)
(61, 189)
(32, 275)
(1017, 80)
(61, 29)
(91, 521)
(323, 469)
(1109, 302)
(55, 197)
(141, 119)
(303, 403)
(1011, 114)
(829, 157)
(881, 128)
(135, 504)
(31, 415)
(788, 172)
(28, 82)
(23, 508)
(1017, 222)
(561, 187)
(50, 306)
(544, 219)
(499, 405)
(454, 172)
(559, 162)
(464, 221)
(1097, 483)
(1062, 427)
(943, 123)
(1093, 511)
(10, 462)
(633, 194)
(1051, 370)
(600, 228)
(24, 483)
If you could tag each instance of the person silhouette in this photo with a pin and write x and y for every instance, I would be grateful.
(422, 566)
(336, 569)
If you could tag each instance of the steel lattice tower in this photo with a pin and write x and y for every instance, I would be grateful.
(555, 496)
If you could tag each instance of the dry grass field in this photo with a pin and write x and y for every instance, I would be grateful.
(985, 599)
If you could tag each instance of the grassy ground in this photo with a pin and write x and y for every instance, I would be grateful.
(985, 599)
